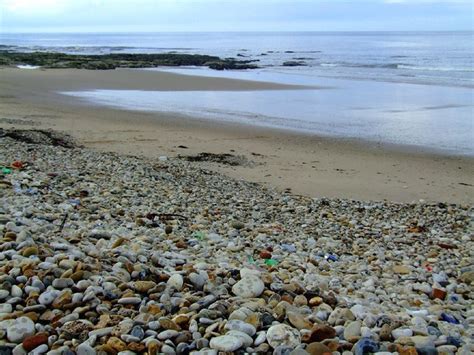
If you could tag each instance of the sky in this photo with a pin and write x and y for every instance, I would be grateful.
(234, 15)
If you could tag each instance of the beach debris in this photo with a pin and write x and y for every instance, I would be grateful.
(223, 158)
(229, 266)
(39, 136)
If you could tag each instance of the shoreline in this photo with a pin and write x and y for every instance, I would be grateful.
(309, 165)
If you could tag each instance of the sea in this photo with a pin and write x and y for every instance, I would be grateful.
(405, 88)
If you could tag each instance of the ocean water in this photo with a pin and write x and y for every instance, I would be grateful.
(441, 58)
(413, 89)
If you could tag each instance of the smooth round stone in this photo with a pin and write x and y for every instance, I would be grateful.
(352, 330)
(176, 281)
(238, 314)
(317, 348)
(299, 351)
(241, 326)
(6, 308)
(167, 334)
(39, 350)
(399, 333)
(48, 297)
(137, 332)
(299, 321)
(4, 294)
(197, 280)
(16, 291)
(365, 346)
(359, 311)
(282, 350)
(261, 338)
(17, 350)
(248, 287)
(130, 300)
(225, 343)
(62, 283)
(244, 337)
(20, 329)
(282, 334)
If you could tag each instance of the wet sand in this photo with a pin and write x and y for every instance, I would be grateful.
(308, 165)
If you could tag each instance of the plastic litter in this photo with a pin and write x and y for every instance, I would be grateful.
(271, 262)
(449, 318)
(330, 257)
(199, 235)
(6, 170)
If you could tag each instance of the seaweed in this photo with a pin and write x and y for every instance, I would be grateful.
(119, 60)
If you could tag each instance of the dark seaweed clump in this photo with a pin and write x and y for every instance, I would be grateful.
(120, 60)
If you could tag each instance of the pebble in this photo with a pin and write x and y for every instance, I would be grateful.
(85, 349)
(226, 343)
(62, 283)
(318, 349)
(176, 281)
(282, 334)
(19, 329)
(241, 326)
(130, 300)
(244, 337)
(164, 257)
(249, 287)
(352, 331)
(6, 308)
(398, 333)
(32, 342)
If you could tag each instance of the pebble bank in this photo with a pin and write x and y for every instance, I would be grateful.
(109, 254)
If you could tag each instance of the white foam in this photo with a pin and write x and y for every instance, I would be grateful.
(28, 66)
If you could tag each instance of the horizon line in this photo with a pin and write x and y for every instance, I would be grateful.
(244, 31)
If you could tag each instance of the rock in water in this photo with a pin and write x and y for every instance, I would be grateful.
(249, 287)
(282, 334)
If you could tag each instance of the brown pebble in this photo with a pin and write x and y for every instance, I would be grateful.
(438, 293)
(137, 347)
(29, 251)
(32, 342)
(315, 301)
(386, 333)
(318, 349)
(319, 332)
(117, 344)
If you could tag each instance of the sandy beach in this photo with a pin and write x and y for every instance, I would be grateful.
(307, 165)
